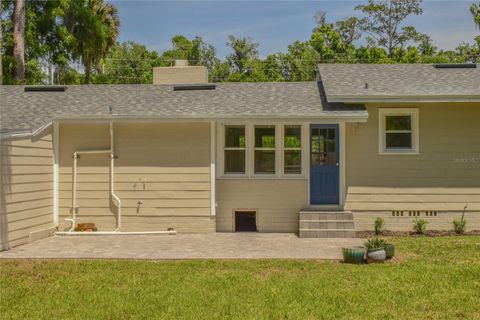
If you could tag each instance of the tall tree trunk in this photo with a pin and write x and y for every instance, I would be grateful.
(88, 72)
(19, 39)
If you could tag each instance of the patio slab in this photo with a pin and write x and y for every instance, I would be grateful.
(183, 246)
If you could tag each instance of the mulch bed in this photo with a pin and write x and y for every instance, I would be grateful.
(428, 233)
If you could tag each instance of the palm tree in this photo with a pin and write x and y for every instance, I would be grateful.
(19, 39)
(94, 26)
(475, 10)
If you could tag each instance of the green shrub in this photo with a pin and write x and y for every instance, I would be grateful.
(459, 226)
(420, 225)
(378, 225)
(374, 243)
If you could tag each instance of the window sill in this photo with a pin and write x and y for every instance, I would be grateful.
(399, 153)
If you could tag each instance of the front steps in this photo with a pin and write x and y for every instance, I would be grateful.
(326, 224)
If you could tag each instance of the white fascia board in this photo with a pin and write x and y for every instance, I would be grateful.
(401, 99)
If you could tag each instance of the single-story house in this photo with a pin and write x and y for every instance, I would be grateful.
(321, 158)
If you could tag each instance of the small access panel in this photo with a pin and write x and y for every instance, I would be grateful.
(324, 164)
(245, 221)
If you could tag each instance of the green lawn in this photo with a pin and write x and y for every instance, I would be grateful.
(435, 278)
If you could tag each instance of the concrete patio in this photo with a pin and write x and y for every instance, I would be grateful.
(183, 246)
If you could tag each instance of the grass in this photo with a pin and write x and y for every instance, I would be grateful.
(435, 278)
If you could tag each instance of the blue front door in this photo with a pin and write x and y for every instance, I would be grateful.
(324, 164)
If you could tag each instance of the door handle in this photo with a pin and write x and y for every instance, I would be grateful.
(336, 164)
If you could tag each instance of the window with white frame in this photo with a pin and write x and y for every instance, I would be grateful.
(398, 131)
(264, 155)
(292, 149)
(234, 150)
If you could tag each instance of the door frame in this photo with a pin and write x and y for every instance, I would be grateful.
(342, 166)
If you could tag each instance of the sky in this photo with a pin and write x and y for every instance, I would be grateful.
(273, 24)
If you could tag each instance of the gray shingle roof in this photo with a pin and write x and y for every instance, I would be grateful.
(346, 82)
(27, 111)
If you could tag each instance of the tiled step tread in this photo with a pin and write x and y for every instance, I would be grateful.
(330, 224)
(327, 234)
(313, 220)
(326, 216)
(327, 230)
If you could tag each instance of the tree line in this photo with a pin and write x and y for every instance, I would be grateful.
(43, 39)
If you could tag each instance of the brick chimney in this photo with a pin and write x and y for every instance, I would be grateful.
(181, 73)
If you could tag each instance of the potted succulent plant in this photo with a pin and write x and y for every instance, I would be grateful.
(375, 250)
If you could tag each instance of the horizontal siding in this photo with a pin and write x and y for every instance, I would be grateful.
(162, 173)
(27, 189)
(436, 179)
(277, 203)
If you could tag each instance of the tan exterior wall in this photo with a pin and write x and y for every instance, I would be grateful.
(277, 202)
(162, 176)
(26, 194)
(443, 221)
(180, 75)
(444, 176)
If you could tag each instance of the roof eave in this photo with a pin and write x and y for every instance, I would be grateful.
(399, 99)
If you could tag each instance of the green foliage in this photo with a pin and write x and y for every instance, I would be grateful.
(459, 226)
(128, 62)
(93, 26)
(383, 21)
(378, 225)
(420, 225)
(64, 32)
(374, 243)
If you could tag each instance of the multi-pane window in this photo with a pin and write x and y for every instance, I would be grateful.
(398, 130)
(292, 146)
(234, 149)
(264, 154)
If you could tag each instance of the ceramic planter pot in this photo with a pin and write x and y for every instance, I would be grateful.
(389, 251)
(376, 255)
(353, 254)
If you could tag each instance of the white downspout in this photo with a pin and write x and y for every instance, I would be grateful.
(213, 144)
(74, 193)
(112, 176)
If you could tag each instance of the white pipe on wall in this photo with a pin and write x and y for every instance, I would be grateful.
(108, 233)
(112, 177)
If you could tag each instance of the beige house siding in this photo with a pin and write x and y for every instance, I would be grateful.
(162, 176)
(444, 176)
(26, 194)
(276, 201)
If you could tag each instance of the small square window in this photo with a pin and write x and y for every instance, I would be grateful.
(398, 131)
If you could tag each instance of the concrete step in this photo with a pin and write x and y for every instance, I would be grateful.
(326, 233)
(325, 215)
(327, 224)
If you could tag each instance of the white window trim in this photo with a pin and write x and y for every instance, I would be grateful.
(250, 151)
(221, 146)
(382, 114)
